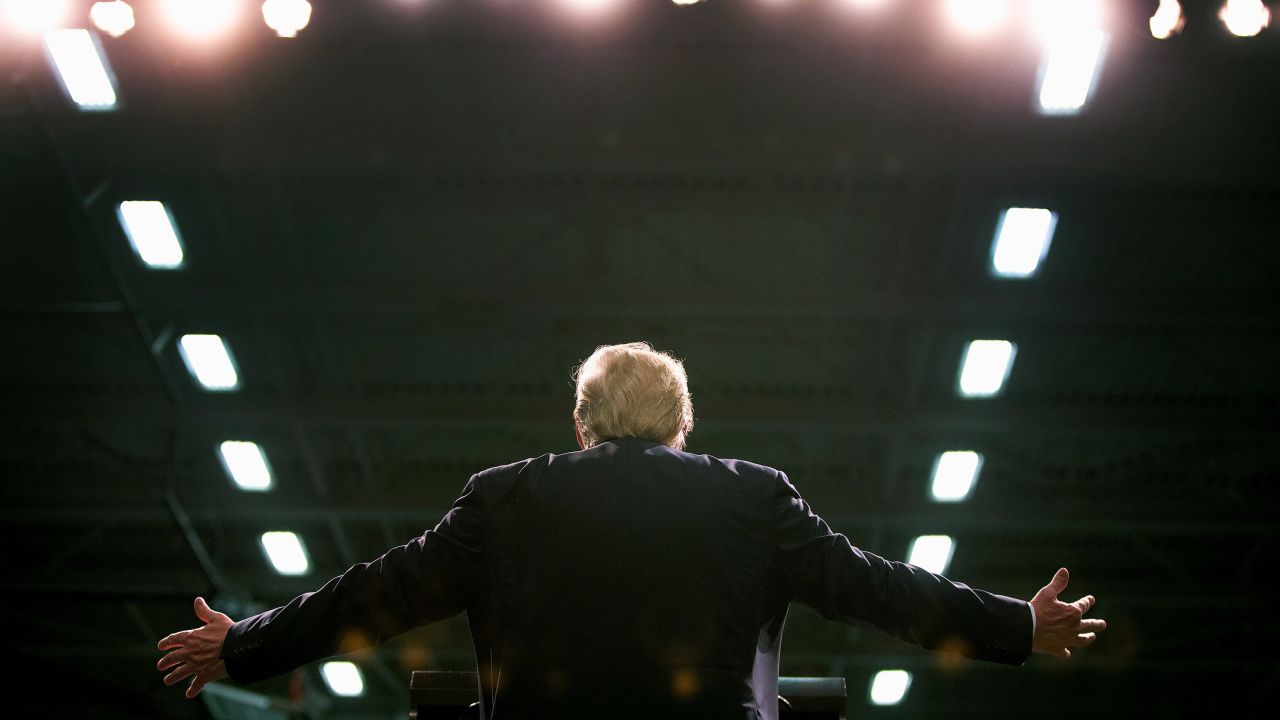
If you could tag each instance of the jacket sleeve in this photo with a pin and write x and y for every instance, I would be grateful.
(430, 578)
(823, 570)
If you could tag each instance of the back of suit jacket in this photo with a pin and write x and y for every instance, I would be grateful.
(628, 579)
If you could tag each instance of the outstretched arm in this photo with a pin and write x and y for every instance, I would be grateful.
(823, 570)
(427, 579)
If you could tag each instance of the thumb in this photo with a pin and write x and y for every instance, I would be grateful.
(1055, 586)
(203, 611)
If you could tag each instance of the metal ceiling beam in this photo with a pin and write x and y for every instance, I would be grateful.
(766, 412)
(1016, 307)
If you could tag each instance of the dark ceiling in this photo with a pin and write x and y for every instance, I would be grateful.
(411, 221)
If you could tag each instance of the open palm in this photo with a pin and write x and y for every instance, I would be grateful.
(196, 651)
(1061, 626)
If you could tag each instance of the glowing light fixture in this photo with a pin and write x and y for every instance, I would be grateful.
(976, 17)
(686, 2)
(343, 678)
(954, 474)
(931, 552)
(286, 17)
(285, 552)
(246, 464)
(888, 687)
(1070, 70)
(35, 16)
(113, 18)
(1245, 18)
(208, 359)
(202, 19)
(82, 69)
(152, 232)
(985, 367)
(1167, 20)
(1021, 241)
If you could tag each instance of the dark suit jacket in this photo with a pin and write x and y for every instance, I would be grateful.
(628, 576)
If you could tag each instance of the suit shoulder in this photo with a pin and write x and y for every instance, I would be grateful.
(734, 466)
(510, 471)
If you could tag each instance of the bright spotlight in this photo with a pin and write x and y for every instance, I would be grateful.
(1021, 241)
(209, 361)
(82, 69)
(343, 678)
(888, 687)
(35, 16)
(686, 2)
(1167, 21)
(202, 19)
(151, 231)
(286, 17)
(977, 17)
(1245, 18)
(954, 473)
(932, 553)
(113, 18)
(1070, 71)
(246, 464)
(285, 552)
(985, 367)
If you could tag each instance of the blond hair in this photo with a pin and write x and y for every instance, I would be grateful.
(631, 390)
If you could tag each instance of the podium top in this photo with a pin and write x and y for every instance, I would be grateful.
(806, 696)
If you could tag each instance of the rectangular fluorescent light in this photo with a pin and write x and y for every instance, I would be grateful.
(985, 367)
(209, 361)
(285, 552)
(152, 233)
(1021, 241)
(246, 464)
(888, 687)
(954, 473)
(1069, 71)
(931, 552)
(82, 68)
(343, 678)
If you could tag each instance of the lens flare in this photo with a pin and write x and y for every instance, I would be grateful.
(1245, 18)
(113, 18)
(35, 16)
(1167, 21)
(286, 17)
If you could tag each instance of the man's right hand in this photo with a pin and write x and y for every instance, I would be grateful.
(196, 651)
(1059, 625)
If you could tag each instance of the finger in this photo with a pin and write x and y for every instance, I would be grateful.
(1055, 586)
(173, 640)
(203, 611)
(1093, 625)
(1085, 603)
(197, 684)
(1066, 653)
(176, 657)
(1085, 639)
(204, 677)
(177, 675)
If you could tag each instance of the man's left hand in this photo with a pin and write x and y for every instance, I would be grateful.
(196, 651)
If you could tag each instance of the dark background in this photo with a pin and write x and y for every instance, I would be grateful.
(413, 220)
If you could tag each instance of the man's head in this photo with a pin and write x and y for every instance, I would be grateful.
(631, 390)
